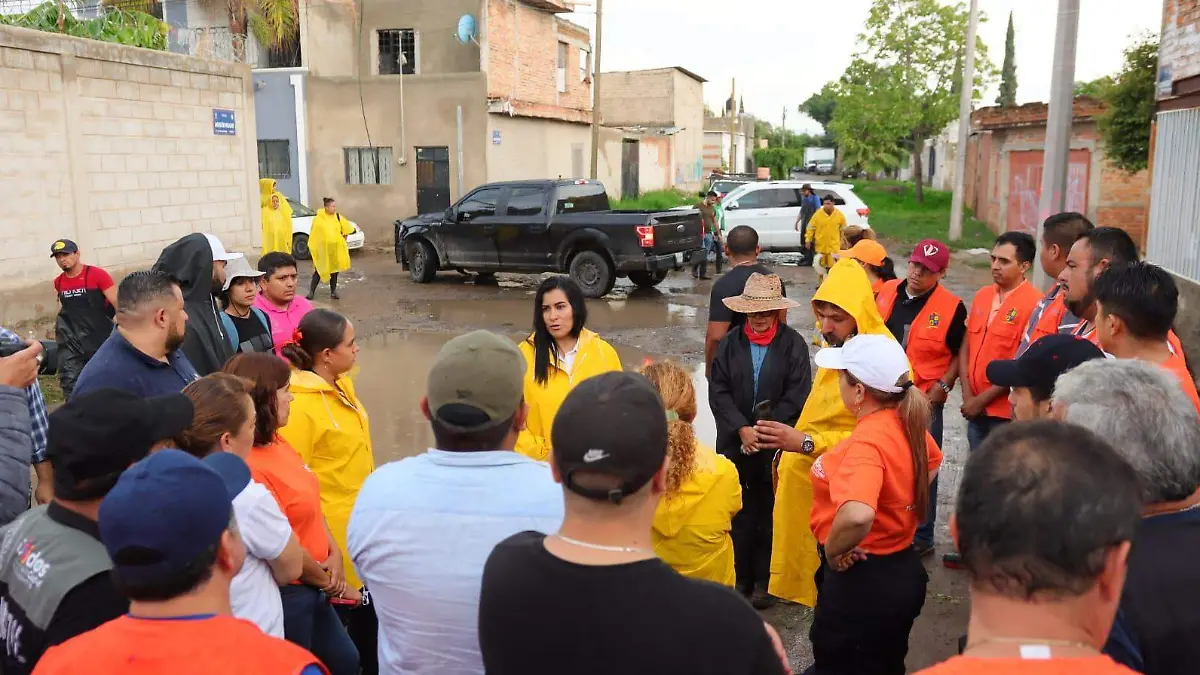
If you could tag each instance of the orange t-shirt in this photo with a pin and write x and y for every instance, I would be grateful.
(280, 469)
(190, 646)
(1177, 366)
(973, 665)
(872, 466)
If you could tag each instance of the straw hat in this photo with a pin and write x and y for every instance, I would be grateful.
(763, 293)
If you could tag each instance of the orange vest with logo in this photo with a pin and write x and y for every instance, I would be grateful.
(998, 339)
(925, 342)
(219, 644)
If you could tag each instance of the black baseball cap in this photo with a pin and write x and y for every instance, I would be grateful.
(612, 424)
(100, 433)
(1042, 364)
(63, 246)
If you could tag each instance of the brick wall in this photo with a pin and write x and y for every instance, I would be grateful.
(113, 147)
(523, 61)
(1179, 48)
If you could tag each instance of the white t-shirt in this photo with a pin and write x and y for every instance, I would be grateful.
(265, 532)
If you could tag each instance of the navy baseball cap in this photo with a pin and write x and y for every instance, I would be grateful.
(1042, 364)
(232, 469)
(63, 246)
(164, 512)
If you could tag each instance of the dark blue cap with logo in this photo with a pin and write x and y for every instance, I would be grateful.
(164, 512)
(63, 246)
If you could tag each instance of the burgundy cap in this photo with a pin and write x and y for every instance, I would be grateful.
(933, 254)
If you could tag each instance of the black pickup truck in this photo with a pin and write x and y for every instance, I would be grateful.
(549, 226)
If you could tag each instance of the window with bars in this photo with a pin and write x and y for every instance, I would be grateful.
(397, 51)
(368, 166)
(274, 161)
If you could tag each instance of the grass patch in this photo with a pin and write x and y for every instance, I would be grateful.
(657, 200)
(896, 215)
(51, 390)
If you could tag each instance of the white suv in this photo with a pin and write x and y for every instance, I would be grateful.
(772, 207)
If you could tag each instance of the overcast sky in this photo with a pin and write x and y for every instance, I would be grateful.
(782, 51)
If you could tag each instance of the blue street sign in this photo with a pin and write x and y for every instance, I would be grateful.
(223, 123)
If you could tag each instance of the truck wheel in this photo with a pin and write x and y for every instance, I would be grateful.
(300, 247)
(593, 273)
(647, 279)
(422, 262)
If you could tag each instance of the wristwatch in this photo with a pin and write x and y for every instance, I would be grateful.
(945, 387)
(807, 447)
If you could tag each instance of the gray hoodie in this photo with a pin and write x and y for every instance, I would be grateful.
(16, 453)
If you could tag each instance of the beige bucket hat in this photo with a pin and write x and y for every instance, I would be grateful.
(763, 293)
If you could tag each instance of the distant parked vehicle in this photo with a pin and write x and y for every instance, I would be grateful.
(564, 226)
(824, 168)
(771, 208)
(302, 218)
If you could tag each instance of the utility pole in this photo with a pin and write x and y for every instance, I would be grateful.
(733, 115)
(596, 91)
(1058, 126)
(966, 97)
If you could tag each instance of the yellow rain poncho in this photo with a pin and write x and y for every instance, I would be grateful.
(593, 356)
(327, 243)
(691, 525)
(330, 431)
(794, 558)
(276, 222)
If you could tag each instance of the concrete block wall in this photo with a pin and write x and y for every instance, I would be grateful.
(639, 97)
(1179, 45)
(113, 147)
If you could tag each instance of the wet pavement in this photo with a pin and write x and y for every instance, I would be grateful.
(402, 324)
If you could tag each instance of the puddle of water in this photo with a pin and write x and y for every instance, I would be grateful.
(393, 370)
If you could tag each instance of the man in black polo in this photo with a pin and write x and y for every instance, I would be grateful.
(54, 571)
(741, 244)
(143, 354)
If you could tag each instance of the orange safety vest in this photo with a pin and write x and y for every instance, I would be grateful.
(925, 342)
(997, 340)
(219, 644)
(1050, 319)
(1087, 331)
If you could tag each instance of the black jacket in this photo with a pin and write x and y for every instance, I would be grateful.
(190, 261)
(785, 381)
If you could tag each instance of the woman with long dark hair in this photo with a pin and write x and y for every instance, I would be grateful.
(559, 354)
(869, 494)
(308, 618)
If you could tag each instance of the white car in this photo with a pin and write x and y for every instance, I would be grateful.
(772, 207)
(302, 219)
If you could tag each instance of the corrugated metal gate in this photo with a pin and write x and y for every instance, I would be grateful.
(1174, 227)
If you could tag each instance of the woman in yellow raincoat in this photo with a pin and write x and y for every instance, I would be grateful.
(693, 521)
(845, 306)
(560, 354)
(276, 218)
(327, 244)
(328, 425)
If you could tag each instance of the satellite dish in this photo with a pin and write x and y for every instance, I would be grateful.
(467, 29)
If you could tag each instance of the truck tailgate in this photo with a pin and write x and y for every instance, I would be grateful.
(676, 231)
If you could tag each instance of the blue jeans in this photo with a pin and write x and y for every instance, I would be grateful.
(980, 428)
(311, 622)
(924, 534)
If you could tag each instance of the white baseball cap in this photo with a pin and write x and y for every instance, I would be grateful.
(218, 249)
(877, 361)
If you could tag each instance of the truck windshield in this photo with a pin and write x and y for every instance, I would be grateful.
(580, 198)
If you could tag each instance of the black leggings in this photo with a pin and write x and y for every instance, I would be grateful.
(316, 282)
(752, 526)
(864, 615)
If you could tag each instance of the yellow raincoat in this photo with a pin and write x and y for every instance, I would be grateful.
(328, 427)
(794, 558)
(327, 243)
(691, 526)
(276, 223)
(593, 357)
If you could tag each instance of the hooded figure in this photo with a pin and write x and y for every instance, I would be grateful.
(276, 218)
(327, 243)
(190, 260)
(826, 420)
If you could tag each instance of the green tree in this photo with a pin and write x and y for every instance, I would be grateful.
(873, 117)
(1008, 72)
(820, 106)
(1125, 126)
(913, 46)
(1095, 88)
(133, 28)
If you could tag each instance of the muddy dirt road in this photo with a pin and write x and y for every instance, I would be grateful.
(402, 325)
